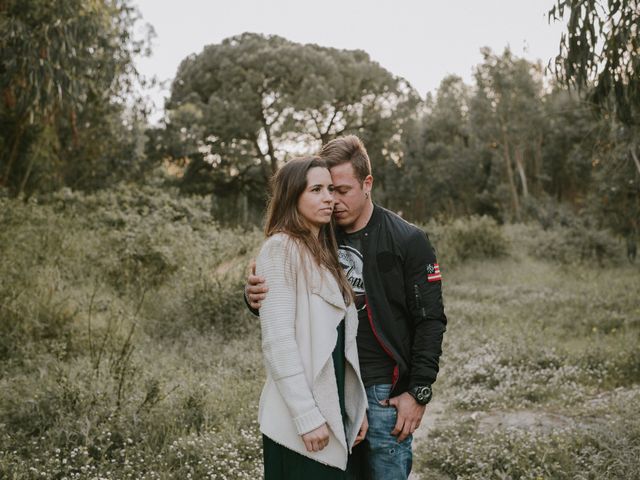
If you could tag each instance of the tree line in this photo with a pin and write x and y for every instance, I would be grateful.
(523, 142)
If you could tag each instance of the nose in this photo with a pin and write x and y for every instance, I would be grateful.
(328, 196)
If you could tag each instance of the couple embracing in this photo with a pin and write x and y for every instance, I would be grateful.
(350, 303)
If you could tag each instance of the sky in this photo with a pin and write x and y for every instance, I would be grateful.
(420, 40)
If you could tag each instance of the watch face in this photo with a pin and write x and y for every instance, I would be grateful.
(423, 394)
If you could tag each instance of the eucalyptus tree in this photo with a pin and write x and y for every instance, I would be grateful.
(241, 108)
(600, 52)
(506, 115)
(600, 56)
(445, 169)
(65, 66)
(571, 137)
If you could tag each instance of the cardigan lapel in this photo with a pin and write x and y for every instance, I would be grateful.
(326, 287)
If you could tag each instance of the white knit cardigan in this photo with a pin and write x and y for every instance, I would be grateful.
(299, 319)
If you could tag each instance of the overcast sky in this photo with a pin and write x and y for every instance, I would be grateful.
(420, 40)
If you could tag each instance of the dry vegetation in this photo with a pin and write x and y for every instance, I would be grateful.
(126, 350)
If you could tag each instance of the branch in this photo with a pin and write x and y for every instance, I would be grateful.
(335, 114)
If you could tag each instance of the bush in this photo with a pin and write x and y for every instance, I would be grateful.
(207, 304)
(473, 238)
(579, 244)
(126, 350)
(568, 245)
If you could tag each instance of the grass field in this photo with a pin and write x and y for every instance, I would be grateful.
(126, 350)
(541, 377)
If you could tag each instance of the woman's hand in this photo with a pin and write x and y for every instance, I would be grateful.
(363, 431)
(317, 439)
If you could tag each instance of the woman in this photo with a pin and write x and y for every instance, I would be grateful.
(313, 405)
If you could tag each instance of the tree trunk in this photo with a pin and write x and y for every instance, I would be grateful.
(635, 157)
(512, 184)
(14, 152)
(521, 172)
(264, 162)
(271, 151)
(537, 170)
(26, 176)
(324, 137)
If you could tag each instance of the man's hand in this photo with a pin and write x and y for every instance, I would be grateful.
(410, 415)
(256, 289)
(317, 439)
(363, 431)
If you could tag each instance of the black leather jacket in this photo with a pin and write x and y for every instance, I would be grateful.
(404, 297)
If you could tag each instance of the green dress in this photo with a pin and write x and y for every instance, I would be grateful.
(280, 463)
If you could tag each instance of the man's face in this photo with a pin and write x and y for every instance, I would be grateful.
(349, 194)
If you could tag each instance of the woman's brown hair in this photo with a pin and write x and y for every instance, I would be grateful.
(287, 185)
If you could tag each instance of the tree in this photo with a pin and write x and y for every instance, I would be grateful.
(65, 66)
(506, 114)
(600, 52)
(242, 107)
(571, 133)
(442, 171)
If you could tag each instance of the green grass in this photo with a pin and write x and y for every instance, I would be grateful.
(125, 347)
(126, 350)
(554, 344)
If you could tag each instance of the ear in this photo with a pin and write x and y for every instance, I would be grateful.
(367, 184)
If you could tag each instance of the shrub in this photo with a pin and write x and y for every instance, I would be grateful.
(568, 245)
(473, 238)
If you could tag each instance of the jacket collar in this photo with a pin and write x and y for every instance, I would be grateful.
(376, 217)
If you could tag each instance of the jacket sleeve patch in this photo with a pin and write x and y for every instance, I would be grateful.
(433, 273)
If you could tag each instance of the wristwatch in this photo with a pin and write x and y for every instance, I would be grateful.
(421, 393)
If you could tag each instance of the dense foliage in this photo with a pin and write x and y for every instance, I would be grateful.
(599, 53)
(66, 74)
(240, 108)
(515, 145)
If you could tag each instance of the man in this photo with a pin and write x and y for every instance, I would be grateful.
(396, 279)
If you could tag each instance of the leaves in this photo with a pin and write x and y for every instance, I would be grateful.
(600, 53)
(65, 66)
(264, 99)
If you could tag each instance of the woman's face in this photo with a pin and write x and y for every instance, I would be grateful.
(316, 202)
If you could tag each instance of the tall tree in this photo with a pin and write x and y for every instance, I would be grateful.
(600, 55)
(506, 113)
(442, 171)
(64, 65)
(242, 107)
(571, 132)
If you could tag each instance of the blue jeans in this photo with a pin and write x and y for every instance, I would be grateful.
(388, 459)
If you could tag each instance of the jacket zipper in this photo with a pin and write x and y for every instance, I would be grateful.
(396, 369)
(416, 292)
